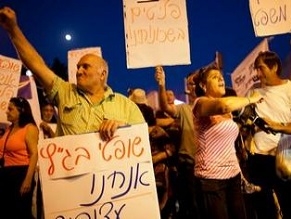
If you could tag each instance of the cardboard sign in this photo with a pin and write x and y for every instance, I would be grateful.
(271, 17)
(156, 33)
(85, 177)
(10, 70)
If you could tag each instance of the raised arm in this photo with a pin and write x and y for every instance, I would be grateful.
(213, 106)
(161, 80)
(26, 52)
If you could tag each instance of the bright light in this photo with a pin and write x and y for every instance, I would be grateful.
(28, 73)
(68, 37)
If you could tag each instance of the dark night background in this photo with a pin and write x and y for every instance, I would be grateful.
(223, 26)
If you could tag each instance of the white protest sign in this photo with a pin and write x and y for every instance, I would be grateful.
(85, 177)
(74, 57)
(244, 76)
(271, 17)
(156, 33)
(10, 70)
(27, 89)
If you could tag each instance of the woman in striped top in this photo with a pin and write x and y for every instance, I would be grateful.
(216, 164)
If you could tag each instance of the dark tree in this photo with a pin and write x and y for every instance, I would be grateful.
(60, 69)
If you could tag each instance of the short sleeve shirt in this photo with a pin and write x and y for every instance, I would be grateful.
(77, 114)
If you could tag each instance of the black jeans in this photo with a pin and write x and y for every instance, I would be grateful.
(13, 205)
(223, 199)
(187, 193)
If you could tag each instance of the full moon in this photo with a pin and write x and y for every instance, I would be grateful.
(68, 37)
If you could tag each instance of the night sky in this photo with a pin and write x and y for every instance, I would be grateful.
(223, 26)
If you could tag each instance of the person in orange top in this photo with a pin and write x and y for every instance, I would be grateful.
(18, 152)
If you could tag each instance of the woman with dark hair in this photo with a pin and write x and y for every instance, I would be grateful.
(216, 165)
(18, 152)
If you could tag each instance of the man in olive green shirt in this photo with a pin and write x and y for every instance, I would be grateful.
(88, 106)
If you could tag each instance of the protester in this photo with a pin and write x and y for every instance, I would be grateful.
(261, 163)
(88, 106)
(49, 121)
(162, 150)
(187, 198)
(138, 96)
(18, 152)
(216, 164)
(48, 127)
(162, 118)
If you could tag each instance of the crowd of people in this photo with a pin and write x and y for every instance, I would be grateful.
(195, 159)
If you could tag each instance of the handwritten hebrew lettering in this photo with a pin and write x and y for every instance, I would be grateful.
(9, 81)
(271, 16)
(104, 179)
(154, 33)
(240, 80)
(106, 210)
(119, 182)
(121, 148)
(9, 65)
(162, 11)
